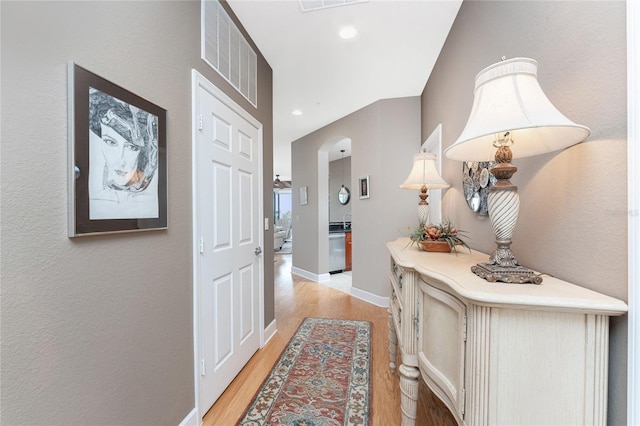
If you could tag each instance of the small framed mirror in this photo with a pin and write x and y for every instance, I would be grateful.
(344, 195)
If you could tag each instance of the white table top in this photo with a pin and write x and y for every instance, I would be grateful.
(454, 271)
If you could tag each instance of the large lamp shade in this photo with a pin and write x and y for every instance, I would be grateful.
(508, 98)
(511, 117)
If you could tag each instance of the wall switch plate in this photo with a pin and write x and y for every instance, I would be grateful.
(266, 223)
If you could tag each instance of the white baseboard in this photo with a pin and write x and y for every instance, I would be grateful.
(370, 297)
(270, 331)
(355, 292)
(191, 419)
(322, 278)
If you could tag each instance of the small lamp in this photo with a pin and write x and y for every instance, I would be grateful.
(424, 175)
(511, 118)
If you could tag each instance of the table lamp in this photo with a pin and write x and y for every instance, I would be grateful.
(510, 118)
(424, 175)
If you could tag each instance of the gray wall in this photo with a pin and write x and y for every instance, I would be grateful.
(384, 136)
(572, 221)
(98, 330)
(337, 169)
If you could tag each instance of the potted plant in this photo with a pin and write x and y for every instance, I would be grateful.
(438, 238)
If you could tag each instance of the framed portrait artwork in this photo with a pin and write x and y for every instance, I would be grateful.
(117, 158)
(364, 187)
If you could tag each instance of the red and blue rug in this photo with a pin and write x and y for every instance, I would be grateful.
(321, 379)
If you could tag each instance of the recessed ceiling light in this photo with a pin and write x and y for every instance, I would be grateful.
(296, 112)
(348, 32)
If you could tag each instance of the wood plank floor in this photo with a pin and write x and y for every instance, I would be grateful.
(295, 299)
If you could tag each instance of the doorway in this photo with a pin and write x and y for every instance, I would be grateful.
(282, 217)
(339, 196)
(227, 239)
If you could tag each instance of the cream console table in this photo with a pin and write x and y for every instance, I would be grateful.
(495, 353)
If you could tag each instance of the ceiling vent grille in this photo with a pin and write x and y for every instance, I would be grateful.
(311, 5)
(226, 50)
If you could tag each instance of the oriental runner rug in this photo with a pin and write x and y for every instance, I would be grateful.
(322, 378)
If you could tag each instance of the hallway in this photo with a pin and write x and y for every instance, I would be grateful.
(295, 299)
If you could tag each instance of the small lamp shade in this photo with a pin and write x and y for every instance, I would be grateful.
(424, 172)
(423, 176)
(508, 98)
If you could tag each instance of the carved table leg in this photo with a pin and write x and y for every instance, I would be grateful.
(393, 343)
(409, 394)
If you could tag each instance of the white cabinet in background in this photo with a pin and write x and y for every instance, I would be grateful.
(495, 353)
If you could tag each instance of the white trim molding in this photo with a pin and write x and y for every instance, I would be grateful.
(433, 145)
(319, 278)
(355, 292)
(269, 332)
(633, 200)
(191, 419)
(370, 297)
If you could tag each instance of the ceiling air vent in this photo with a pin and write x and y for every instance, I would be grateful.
(226, 50)
(310, 5)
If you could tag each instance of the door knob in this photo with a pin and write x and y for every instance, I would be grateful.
(257, 251)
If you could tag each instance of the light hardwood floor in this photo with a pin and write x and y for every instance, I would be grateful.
(295, 299)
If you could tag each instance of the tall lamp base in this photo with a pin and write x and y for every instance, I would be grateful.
(504, 205)
(506, 274)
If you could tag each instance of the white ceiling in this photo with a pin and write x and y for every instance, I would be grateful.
(327, 78)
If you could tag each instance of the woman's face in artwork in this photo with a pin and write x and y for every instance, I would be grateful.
(121, 156)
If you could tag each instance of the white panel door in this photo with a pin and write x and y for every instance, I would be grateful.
(228, 228)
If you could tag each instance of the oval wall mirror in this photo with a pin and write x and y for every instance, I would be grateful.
(344, 195)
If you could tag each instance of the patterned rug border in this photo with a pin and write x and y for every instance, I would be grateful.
(283, 353)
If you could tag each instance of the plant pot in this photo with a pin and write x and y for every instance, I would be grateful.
(435, 246)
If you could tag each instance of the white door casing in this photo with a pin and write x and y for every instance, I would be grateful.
(228, 273)
(433, 145)
(633, 177)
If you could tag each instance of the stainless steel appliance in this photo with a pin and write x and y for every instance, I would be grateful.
(336, 252)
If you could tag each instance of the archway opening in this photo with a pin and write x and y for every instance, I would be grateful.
(334, 179)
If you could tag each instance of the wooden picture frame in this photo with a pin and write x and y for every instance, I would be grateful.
(364, 188)
(117, 158)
